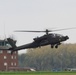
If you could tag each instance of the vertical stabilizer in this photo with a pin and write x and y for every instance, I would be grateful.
(12, 42)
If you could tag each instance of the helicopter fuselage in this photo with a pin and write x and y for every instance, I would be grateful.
(50, 39)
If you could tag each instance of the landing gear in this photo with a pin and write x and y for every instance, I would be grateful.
(56, 46)
(52, 46)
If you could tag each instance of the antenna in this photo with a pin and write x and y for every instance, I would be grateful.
(4, 35)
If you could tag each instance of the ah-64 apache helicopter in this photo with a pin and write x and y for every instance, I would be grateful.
(47, 39)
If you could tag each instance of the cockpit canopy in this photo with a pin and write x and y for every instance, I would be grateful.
(56, 35)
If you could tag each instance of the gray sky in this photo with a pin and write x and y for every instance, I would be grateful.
(37, 15)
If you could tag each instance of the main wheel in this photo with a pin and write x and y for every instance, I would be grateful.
(56, 46)
(52, 46)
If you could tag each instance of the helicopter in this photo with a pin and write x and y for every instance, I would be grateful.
(52, 39)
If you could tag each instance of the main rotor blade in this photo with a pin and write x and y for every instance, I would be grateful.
(63, 29)
(28, 31)
(46, 31)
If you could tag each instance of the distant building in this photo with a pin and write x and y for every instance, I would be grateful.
(6, 59)
(9, 62)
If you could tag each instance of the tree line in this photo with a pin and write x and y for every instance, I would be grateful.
(47, 59)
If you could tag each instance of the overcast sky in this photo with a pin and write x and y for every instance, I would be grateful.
(37, 15)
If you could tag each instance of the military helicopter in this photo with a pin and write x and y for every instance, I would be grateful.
(52, 39)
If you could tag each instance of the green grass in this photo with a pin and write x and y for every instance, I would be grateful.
(37, 73)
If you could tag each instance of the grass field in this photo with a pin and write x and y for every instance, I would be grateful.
(37, 73)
